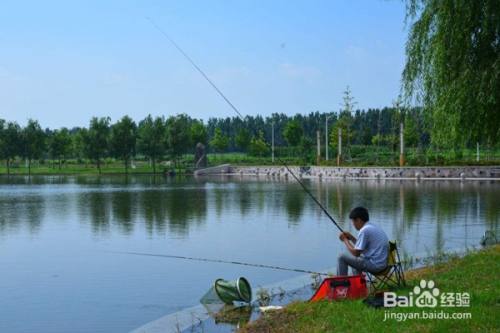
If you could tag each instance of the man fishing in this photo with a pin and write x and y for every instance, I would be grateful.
(372, 243)
(367, 253)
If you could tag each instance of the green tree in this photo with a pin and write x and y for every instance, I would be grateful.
(151, 138)
(60, 144)
(78, 144)
(33, 138)
(346, 119)
(306, 149)
(219, 141)
(452, 68)
(10, 142)
(123, 139)
(178, 135)
(347, 136)
(388, 140)
(198, 132)
(344, 123)
(242, 139)
(293, 132)
(258, 146)
(96, 139)
(410, 132)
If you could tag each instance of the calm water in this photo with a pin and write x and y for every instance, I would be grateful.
(57, 234)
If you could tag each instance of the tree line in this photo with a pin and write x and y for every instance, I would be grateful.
(157, 138)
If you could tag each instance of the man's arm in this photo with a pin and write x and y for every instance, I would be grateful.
(350, 236)
(348, 244)
(351, 248)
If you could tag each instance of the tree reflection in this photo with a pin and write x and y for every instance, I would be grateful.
(17, 212)
(244, 198)
(95, 205)
(123, 205)
(176, 208)
(491, 201)
(294, 204)
(424, 215)
(184, 207)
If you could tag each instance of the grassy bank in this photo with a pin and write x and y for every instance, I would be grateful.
(184, 167)
(358, 156)
(477, 274)
(79, 170)
(71, 167)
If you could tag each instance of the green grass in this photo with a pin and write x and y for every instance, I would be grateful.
(359, 156)
(80, 169)
(366, 156)
(477, 273)
(245, 159)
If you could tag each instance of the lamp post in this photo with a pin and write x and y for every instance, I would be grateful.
(318, 153)
(339, 154)
(401, 145)
(272, 141)
(326, 136)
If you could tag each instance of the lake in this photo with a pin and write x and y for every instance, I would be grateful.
(59, 238)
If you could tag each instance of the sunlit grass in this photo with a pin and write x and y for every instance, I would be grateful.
(476, 274)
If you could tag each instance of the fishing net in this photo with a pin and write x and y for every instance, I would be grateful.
(222, 312)
(228, 292)
(211, 301)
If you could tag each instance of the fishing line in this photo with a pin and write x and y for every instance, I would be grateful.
(220, 262)
(240, 115)
(194, 65)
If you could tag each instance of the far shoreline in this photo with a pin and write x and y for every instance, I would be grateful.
(472, 172)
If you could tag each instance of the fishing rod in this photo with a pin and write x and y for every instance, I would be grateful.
(221, 262)
(241, 117)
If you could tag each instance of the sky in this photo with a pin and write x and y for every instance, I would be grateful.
(63, 62)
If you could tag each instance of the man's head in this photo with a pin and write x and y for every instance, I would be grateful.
(359, 216)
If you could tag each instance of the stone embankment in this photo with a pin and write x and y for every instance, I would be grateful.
(466, 172)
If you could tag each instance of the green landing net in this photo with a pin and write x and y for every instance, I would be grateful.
(228, 292)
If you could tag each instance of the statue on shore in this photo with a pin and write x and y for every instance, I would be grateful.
(200, 156)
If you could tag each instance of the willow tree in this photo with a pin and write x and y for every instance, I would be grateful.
(453, 68)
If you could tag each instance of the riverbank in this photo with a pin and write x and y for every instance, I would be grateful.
(322, 172)
(276, 171)
(475, 273)
(47, 170)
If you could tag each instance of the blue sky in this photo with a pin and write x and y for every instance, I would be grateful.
(62, 62)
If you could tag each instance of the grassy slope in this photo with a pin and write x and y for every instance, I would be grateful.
(477, 273)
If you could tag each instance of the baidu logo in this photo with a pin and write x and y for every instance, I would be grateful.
(427, 295)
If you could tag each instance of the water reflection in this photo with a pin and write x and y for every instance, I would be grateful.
(123, 209)
(58, 232)
(21, 212)
(294, 204)
(95, 206)
(158, 210)
(160, 205)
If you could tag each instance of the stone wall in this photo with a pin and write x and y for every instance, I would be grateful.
(467, 172)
